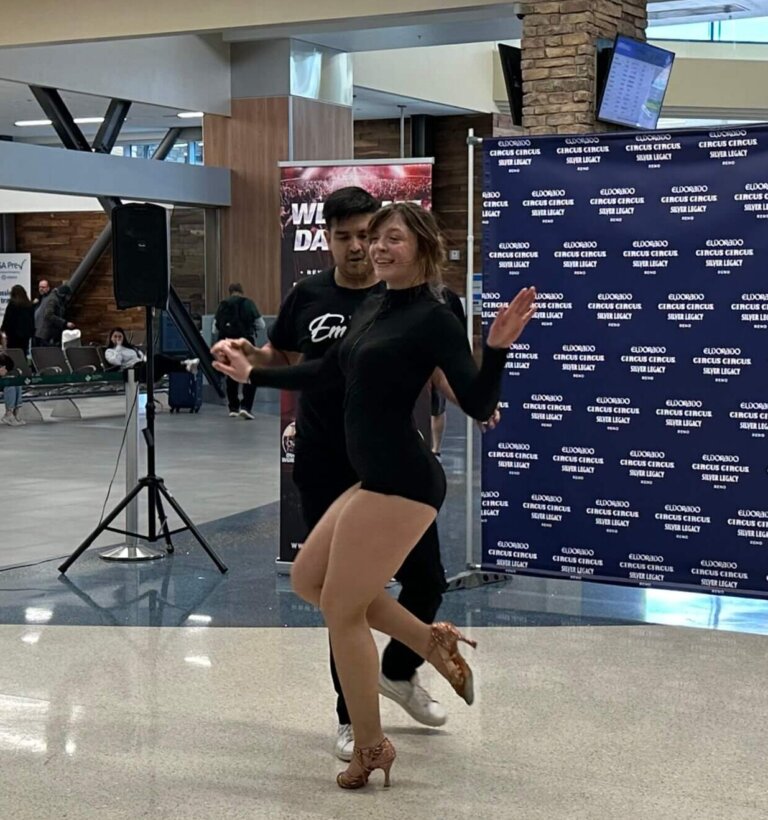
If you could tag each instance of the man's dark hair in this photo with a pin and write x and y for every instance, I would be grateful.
(235, 287)
(347, 202)
(7, 362)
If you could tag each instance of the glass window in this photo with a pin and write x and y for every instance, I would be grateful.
(684, 31)
(747, 30)
(190, 153)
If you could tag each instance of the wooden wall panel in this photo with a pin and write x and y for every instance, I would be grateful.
(251, 142)
(187, 246)
(321, 130)
(380, 139)
(58, 243)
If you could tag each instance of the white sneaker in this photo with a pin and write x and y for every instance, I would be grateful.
(9, 419)
(233, 414)
(415, 699)
(19, 421)
(345, 742)
(244, 414)
(191, 365)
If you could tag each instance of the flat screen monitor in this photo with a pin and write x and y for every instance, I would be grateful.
(636, 84)
(511, 66)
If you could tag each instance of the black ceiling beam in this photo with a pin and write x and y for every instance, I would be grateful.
(58, 113)
(108, 131)
(166, 144)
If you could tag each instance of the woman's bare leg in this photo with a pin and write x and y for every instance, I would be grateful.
(373, 535)
(384, 613)
(309, 567)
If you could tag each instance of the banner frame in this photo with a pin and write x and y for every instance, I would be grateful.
(331, 163)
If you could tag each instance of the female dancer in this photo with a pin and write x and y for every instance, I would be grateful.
(395, 342)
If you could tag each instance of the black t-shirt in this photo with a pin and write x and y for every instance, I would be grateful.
(315, 314)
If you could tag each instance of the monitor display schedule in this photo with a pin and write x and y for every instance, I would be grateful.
(636, 84)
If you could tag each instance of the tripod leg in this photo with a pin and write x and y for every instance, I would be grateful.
(192, 528)
(101, 527)
(163, 521)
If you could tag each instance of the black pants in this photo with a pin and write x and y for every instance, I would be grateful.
(421, 576)
(233, 396)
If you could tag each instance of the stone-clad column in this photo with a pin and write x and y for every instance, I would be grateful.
(559, 60)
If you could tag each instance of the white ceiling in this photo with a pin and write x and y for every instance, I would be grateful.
(151, 122)
(493, 23)
(17, 103)
(498, 21)
(370, 104)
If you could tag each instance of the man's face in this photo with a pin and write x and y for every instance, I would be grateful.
(43, 288)
(348, 244)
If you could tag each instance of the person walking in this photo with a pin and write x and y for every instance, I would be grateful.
(395, 342)
(237, 317)
(313, 317)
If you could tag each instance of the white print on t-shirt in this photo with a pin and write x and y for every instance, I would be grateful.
(328, 326)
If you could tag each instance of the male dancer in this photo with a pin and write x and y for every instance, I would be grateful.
(314, 315)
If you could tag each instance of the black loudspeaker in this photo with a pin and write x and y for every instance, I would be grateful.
(140, 265)
(422, 135)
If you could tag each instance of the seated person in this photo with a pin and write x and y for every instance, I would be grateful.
(12, 394)
(121, 353)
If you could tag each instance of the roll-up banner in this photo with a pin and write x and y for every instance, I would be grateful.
(15, 269)
(633, 442)
(303, 189)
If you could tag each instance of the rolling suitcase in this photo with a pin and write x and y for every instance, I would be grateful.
(185, 391)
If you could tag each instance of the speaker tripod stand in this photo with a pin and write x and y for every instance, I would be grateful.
(156, 491)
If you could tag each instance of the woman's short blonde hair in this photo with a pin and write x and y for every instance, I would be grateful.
(431, 252)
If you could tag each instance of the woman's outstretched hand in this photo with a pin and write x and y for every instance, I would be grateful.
(231, 360)
(510, 321)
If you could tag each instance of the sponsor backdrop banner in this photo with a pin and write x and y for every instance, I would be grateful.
(15, 269)
(633, 443)
(303, 189)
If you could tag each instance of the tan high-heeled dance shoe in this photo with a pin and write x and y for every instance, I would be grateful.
(366, 761)
(445, 639)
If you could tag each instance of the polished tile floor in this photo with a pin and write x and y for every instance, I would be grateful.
(598, 723)
(597, 704)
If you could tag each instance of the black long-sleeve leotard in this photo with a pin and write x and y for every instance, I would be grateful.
(393, 345)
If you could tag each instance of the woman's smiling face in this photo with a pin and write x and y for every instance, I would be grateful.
(394, 253)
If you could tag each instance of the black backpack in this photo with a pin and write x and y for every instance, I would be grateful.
(230, 321)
